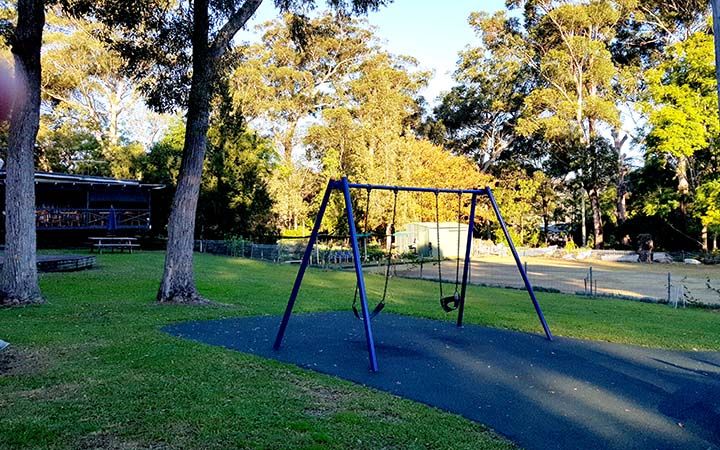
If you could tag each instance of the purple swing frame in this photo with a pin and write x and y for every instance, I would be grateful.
(345, 186)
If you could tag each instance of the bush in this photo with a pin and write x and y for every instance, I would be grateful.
(236, 246)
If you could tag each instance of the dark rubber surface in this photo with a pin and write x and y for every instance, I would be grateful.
(566, 394)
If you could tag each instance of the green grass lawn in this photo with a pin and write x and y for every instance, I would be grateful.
(92, 370)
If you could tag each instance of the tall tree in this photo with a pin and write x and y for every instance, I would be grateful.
(283, 82)
(380, 100)
(369, 138)
(479, 114)
(85, 92)
(154, 36)
(568, 47)
(178, 283)
(235, 198)
(682, 124)
(641, 42)
(18, 281)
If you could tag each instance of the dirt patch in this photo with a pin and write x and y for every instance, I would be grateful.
(384, 415)
(55, 392)
(322, 400)
(106, 441)
(21, 361)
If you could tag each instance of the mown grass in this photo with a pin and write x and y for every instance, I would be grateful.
(91, 369)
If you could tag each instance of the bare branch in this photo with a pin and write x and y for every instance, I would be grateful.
(232, 26)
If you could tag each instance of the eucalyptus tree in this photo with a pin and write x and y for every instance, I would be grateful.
(176, 50)
(480, 112)
(642, 41)
(283, 83)
(363, 136)
(85, 91)
(18, 281)
(370, 138)
(566, 45)
(655, 24)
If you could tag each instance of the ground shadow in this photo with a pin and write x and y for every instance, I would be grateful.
(566, 394)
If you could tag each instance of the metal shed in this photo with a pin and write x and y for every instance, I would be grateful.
(422, 236)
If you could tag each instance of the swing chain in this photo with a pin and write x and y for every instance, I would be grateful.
(459, 231)
(365, 232)
(452, 302)
(381, 305)
(389, 252)
(437, 242)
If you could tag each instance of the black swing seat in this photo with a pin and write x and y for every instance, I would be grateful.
(373, 313)
(450, 303)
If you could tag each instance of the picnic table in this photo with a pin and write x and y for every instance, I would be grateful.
(112, 243)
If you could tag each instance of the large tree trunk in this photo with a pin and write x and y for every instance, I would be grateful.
(178, 283)
(683, 186)
(583, 220)
(597, 218)
(620, 206)
(18, 282)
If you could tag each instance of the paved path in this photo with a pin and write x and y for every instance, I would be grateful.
(566, 394)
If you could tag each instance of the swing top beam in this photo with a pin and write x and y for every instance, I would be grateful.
(337, 184)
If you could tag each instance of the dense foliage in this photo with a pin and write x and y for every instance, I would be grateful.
(571, 89)
(596, 120)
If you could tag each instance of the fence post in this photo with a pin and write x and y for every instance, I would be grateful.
(669, 284)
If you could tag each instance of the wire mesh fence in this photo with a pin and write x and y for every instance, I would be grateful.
(666, 283)
(604, 275)
(335, 254)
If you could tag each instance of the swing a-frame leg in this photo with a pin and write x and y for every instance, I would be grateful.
(519, 264)
(343, 186)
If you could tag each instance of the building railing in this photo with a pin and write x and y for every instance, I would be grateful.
(92, 219)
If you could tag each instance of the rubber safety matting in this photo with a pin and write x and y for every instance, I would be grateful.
(565, 394)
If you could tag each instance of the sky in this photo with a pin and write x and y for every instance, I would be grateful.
(431, 31)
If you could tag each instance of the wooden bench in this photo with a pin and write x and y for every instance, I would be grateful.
(113, 243)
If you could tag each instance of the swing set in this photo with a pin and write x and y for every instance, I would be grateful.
(448, 303)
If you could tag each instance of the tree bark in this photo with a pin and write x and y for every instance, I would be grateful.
(683, 187)
(621, 206)
(597, 218)
(178, 283)
(18, 281)
(583, 225)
